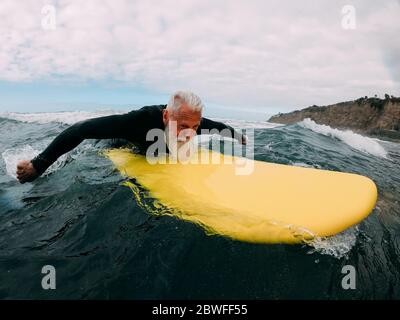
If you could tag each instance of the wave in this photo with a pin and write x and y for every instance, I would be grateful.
(67, 117)
(71, 117)
(354, 140)
(12, 156)
(244, 124)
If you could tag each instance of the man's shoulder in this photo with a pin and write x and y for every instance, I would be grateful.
(147, 117)
(152, 109)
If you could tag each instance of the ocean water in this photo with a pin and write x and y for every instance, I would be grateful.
(103, 245)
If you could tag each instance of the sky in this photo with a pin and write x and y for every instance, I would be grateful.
(245, 59)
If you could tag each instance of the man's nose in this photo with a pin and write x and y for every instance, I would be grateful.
(190, 135)
(186, 136)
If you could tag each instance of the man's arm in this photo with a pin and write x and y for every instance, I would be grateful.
(115, 126)
(221, 127)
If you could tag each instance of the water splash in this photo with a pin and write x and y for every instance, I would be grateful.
(12, 156)
(354, 140)
(305, 165)
(338, 246)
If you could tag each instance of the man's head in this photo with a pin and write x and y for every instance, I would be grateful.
(184, 109)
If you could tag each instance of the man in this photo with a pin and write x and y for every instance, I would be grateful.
(184, 109)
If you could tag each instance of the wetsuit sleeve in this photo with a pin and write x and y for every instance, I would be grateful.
(211, 124)
(109, 127)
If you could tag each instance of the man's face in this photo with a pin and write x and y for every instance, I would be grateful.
(187, 121)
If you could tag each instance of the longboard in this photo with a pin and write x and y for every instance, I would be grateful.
(274, 203)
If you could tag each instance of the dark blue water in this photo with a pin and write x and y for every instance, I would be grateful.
(103, 245)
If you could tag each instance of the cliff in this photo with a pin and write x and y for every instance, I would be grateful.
(372, 116)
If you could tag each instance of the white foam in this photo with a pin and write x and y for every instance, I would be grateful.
(337, 246)
(268, 146)
(69, 117)
(244, 124)
(305, 165)
(12, 156)
(357, 141)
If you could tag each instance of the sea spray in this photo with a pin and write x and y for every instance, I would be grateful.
(354, 140)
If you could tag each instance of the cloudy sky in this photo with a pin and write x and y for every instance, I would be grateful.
(244, 58)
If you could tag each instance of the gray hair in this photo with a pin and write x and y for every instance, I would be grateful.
(185, 97)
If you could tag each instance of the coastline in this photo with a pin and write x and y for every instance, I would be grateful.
(374, 117)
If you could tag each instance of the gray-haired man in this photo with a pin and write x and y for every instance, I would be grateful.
(184, 109)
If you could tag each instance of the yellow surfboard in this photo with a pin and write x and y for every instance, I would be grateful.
(270, 203)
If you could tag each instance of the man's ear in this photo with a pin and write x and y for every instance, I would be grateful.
(165, 116)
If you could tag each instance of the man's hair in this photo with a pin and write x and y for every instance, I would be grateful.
(185, 97)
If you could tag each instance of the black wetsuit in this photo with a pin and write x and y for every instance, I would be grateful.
(132, 126)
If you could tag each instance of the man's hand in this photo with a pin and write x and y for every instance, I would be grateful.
(26, 171)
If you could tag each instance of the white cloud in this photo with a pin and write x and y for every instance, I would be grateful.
(236, 53)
